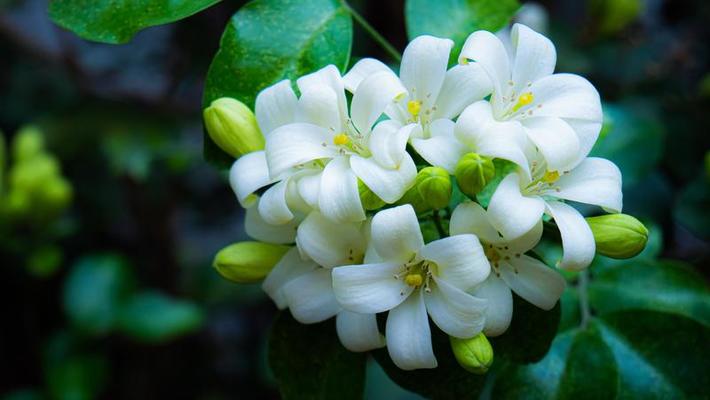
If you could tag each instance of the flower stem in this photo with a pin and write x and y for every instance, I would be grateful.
(582, 282)
(387, 46)
(437, 223)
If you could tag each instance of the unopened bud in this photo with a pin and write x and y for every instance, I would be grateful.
(28, 143)
(369, 200)
(233, 127)
(31, 174)
(56, 193)
(434, 186)
(618, 235)
(473, 172)
(247, 262)
(474, 354)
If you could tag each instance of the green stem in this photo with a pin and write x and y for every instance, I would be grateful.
(437, 223)
(582, 282)
(387, 46)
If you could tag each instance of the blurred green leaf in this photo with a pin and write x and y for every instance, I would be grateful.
(456, 19)
(44, 261)
(267, 41)
(692, 205)
(23, 394)
(94, 290)
(503, 168)
(309, 362)
(69, 372)
(117, 21)
(154, 317)
(665, 285)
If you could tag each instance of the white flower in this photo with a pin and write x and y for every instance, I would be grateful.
(560, 113)
(519, 202)
(409, 278)
(302, 280)
(320, 154)
(434, 95)
(526, 276)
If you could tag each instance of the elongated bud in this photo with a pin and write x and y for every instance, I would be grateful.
(247, 262)
(28, 143)
(434, 186)
(618, 235)
(474, 354)
(369, 200)
(232, 126)
(473, 172)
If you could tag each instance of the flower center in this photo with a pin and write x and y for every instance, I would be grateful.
(341, 139)
(544, 180)
(496, 253)
(349, 141)
(417, 273)
(414, 107)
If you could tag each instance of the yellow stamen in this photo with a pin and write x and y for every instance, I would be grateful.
(414, 279)
(341, 139)
(524, 100)
(551, 177)
(491, 254)
(414, 107)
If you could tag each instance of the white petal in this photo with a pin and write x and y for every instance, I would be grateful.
(463, 85)
(247, 175)
(535, 56)
(442, 149)
(330, 243)
(273, 207)
(361, 70)
(358, 332)
(511, 213)
(396, 234)
(259, 229)
(339, 198)
(288, 268)
(310, 297)
(370, 288)
(556, 140)
(471, 124)
(328, 76)
(460, 260)
(455, 312)
(578, 245)
(499, 312)
(275, 106)
(470, 217)
(388, 142)
(371, 98)
(487, 50)
(319, 106)
(527, 241)
(423, 68)
(409, 336)
(389, 184)
(309, 187)
(594, 181)
(295, 144)
(505, 140)
(533, 281)
(587, 132)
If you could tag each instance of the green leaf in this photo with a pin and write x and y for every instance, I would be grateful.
(267, 41)
(456, 19)
(669, 286)
(309, 362)
(69, 372)
(117, 21)
(93, 291)
(154, 317)
(692, 207)
(530, 333)
(447, 381)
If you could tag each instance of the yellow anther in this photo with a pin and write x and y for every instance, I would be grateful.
(341, 139)
(400, 96)
(491, 254)
(524, 100)
(414, 280)
(551, 177)
(414, 107)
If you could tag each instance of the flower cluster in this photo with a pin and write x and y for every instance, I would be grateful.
(348, 182)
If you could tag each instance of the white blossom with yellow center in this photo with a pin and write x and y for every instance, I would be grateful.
(412, 279)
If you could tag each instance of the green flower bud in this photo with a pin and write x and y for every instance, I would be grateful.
(232, 126)
(28, 143)
(618, 235)
(474, 354)
(369, 200)
(56, 194)
(32, 174)
(247, 262)
(473, 172)
(434, 187)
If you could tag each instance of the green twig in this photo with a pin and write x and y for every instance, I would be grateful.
(387, 46)
(437, 223)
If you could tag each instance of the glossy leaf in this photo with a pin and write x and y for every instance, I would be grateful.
(154, 317)
(117, 21)
(309, 362)
(267, 41)
(94, 290)
(456, 19)
(669, 286)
